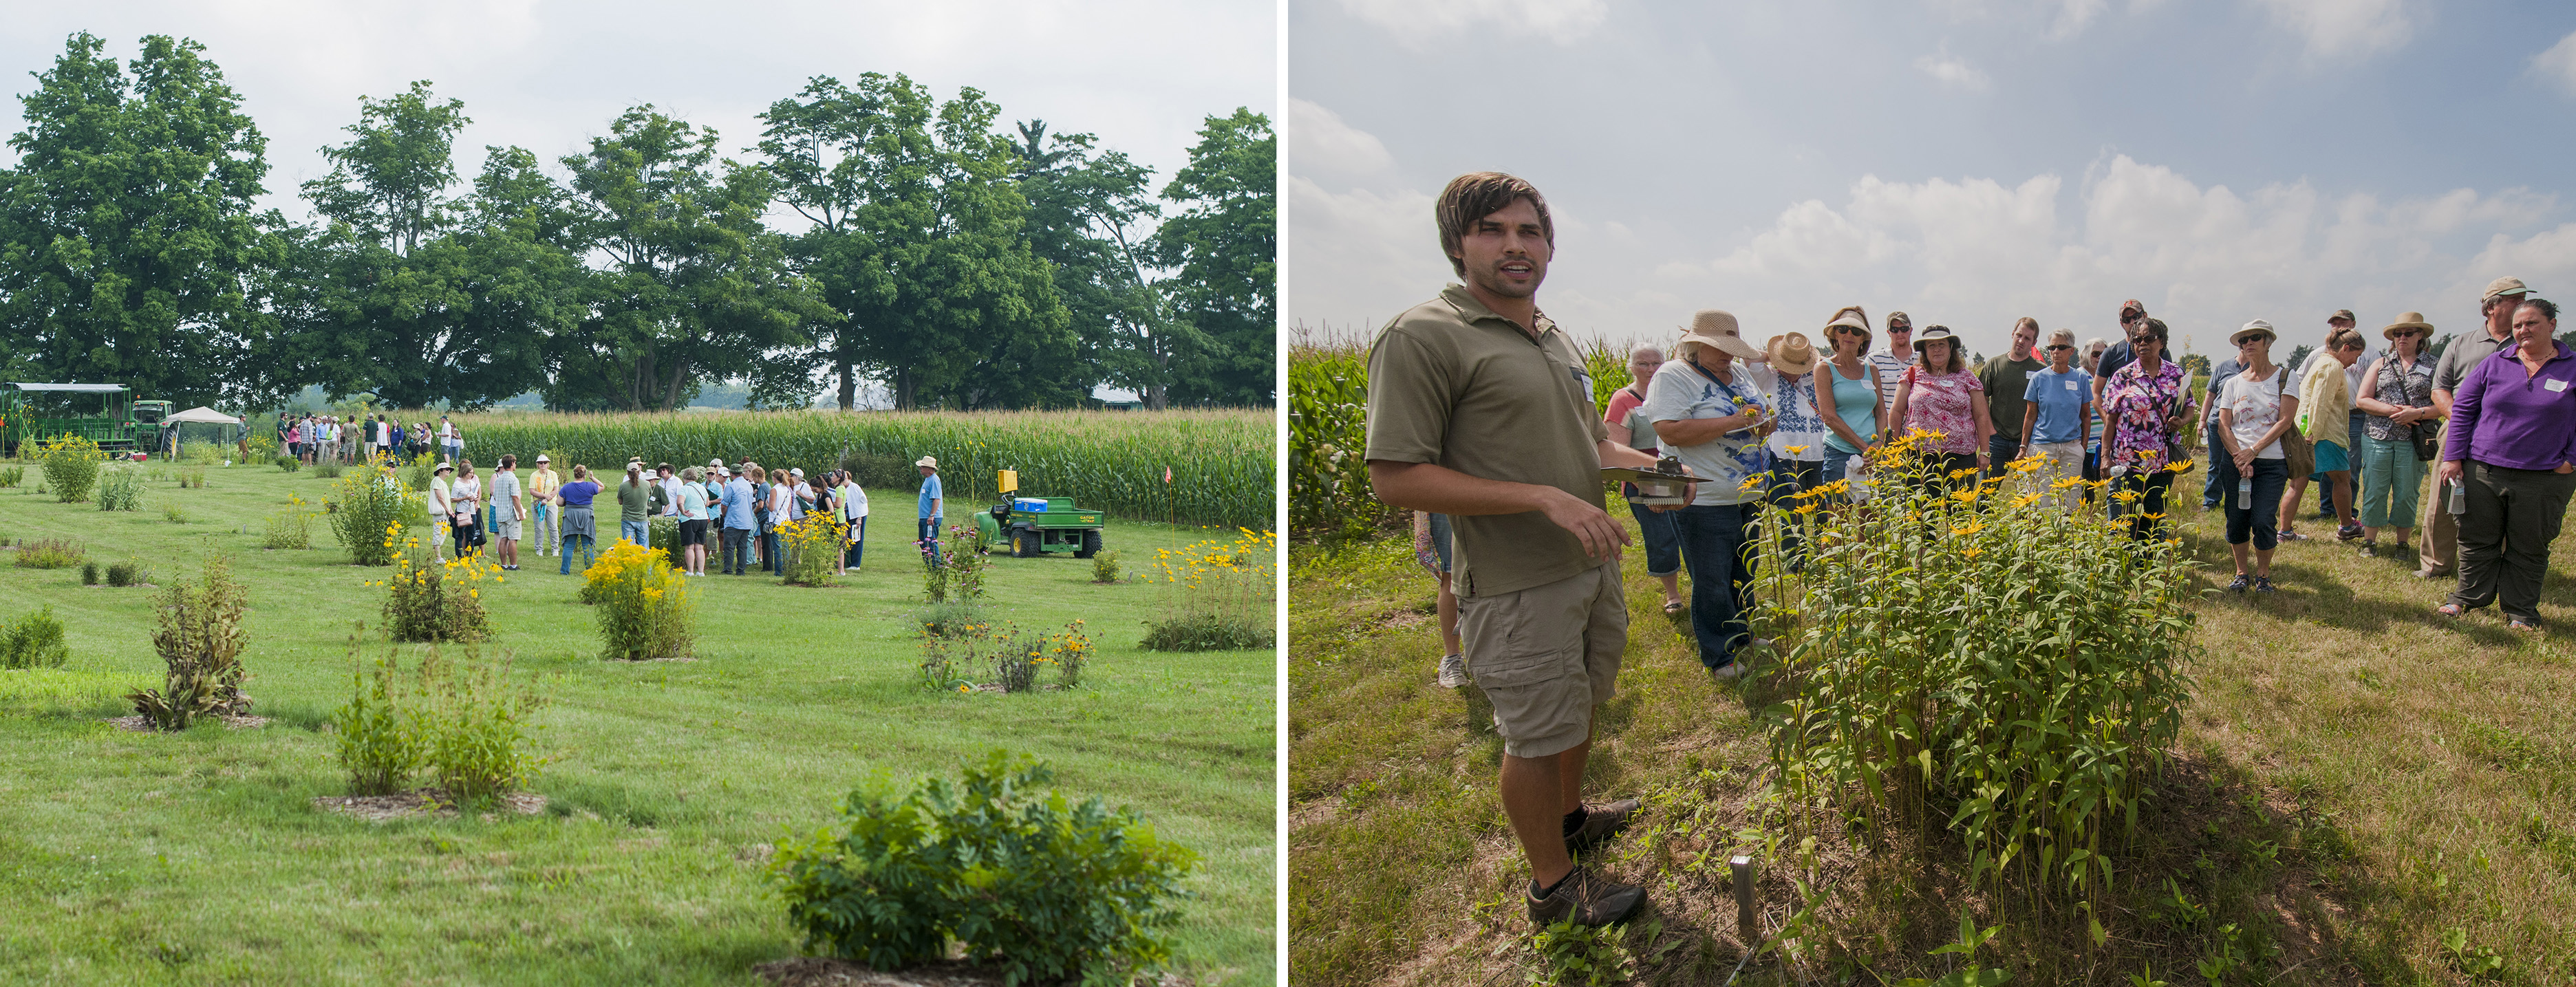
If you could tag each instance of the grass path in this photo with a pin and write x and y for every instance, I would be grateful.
(197, 858)
(2357, 777)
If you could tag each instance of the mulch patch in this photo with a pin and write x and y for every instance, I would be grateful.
(137, 724)
(422, 802)
(823, 971)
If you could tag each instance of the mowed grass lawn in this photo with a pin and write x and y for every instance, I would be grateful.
(199, 858)
(2357, 777)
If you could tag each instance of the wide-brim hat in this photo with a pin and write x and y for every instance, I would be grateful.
(1716, 327)
(929, 461)
(541, 457)
(444, 468)
(2406, 321)
(2503, 286)
(2249, 330)
(1936, 334)
(1791, 354)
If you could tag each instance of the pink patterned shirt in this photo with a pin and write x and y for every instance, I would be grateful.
(1940, 403)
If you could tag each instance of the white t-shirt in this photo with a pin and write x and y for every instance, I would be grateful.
(1680, 392)
(466, 494)
(1799, 426)
(447, 431)
(671, 494)
(2255, 408)
(438, 496)
(854, 502)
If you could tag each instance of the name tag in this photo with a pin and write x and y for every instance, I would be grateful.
(2070, 385)
(2556, 385)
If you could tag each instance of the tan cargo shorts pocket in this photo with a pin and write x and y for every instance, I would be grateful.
(1525, 650)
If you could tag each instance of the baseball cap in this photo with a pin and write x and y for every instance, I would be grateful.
(1895, 317)
(2344, 314)
(2503, 286)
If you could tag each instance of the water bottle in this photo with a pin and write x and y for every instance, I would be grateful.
(2459, 496)
(2245, 492)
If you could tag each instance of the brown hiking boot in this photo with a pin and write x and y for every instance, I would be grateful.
(1587, 899)
(1600, 823)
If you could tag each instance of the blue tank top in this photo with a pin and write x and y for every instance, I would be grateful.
(1854, 400)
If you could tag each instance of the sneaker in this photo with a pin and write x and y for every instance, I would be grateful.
(2263, 584)
(2292, 536)
(1727, 672)
(1600, 823)
(2348, 532)
(1586, 899)
(1453, 671)
(2369, 550)
(2242, 582)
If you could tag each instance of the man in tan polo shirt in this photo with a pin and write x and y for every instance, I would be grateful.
(1479, 408)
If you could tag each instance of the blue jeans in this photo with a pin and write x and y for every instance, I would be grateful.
(2260, 522)
(2222, 471)
(2001, 450)
(770, 560)
(1790, 477)
(1716, 542)
(636, 532)
(1837, 463)
(586, 547)
(1663, 541)
(853, 555)
(930, 542)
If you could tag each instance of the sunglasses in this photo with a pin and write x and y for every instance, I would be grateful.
(2054, 347)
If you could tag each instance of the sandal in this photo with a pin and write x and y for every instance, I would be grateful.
(2449, 610)
(2522, 624)
(1673, 608)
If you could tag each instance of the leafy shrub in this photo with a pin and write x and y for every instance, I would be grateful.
(120, 488)
(416, 476)
(327, 471)
(34, 641)
(128, 574)
(1043, 887)
(290, 528)
(959, 576)
(813, 544)
(645, 607)
(464, 720)
(174, 513)
(1966, 655)
(192, 477)
(367, 513)
(200, 640)
(1214, 595)
(288, 463)
(89, 573)
(1104, 566)
(431, 600)
(49, 553)
(11, 476)
(379, 746)
(71, 466)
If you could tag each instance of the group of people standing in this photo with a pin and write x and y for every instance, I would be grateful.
(732, 512)
(1481, 420)
(314, 439)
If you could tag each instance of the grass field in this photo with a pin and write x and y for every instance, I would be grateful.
(2358, 782)
(197, 858)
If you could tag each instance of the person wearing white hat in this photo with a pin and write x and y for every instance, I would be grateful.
(1479, 408)
(2257, 406)
(1715, 417)
(440, 507)
(1940, 396)
(541, 507)
(2440, 551)
(2397, 435)
(929, 504)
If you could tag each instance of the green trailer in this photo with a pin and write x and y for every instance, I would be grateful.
(103, 413)
(1061, 528)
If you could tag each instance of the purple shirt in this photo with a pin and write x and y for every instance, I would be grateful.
(2504, 417)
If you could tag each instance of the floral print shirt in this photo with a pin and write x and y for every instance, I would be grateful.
(1940, 403)
(2141, 404)
(1731, 462)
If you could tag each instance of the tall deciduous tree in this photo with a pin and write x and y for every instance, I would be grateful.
(695, 286)
(1090, 215)
(916, 237)
(128, 245)
(1224, 243)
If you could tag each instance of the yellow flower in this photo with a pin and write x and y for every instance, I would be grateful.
(1972, 552)
(1968, 496)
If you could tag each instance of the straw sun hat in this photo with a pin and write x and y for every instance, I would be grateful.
(2250, 330)
(1714, 327)
(2406, 321)
(1791, 354)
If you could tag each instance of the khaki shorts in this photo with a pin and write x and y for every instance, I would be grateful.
(1546, 655)
(506, 529)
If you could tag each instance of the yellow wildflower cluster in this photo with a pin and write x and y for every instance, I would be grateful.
(644, 607)
(429, 599)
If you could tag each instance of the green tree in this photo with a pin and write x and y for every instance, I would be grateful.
(1224, 244)
(1089, 215)
(697, 287)
(129, 250)
(916, 238)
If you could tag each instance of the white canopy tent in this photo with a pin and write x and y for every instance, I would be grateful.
(175, 425)
(204, 415)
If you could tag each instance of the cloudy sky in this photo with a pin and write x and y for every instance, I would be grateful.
(547, 75)
(1967, 161)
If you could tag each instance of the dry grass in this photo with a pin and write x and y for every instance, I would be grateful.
(2356, 778)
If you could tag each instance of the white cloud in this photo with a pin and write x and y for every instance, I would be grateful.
(1319, 142)
(2558, 64)
(2344, 28)
(1417, 23)
(1977, 253)
(1952, 71)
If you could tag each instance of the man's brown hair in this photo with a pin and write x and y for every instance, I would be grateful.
(2345, 339)
(1474, 196)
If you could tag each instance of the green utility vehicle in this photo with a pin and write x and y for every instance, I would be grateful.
(103, 413)
(1038, 526)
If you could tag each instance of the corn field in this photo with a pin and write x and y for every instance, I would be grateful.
(1220, 460)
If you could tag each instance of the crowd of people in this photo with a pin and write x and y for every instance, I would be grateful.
(316, 438)
(1481, 419)
(734, 514)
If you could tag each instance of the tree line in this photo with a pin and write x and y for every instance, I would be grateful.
(881, 234)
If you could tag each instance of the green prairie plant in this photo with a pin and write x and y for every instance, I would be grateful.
(201, 453)
(89, 573)
(34, 641)
(1969, 656)
(11, 476)
(463, 720)
(71, 466)
(1214, 594)
(1029, 880)
(128, 573)
(376, 744)
(120, 488)
(49, 553)
(192, 477)
(646, 609)
(367, 510)
(813, 544)
(291, 528)
(174, 512)
(200, 641)
(1104, 566)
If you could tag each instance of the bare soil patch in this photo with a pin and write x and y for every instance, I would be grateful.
(824, 971)
(423, 802)
(138, 724)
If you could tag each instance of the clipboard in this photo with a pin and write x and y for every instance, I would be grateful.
(1654, 488)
